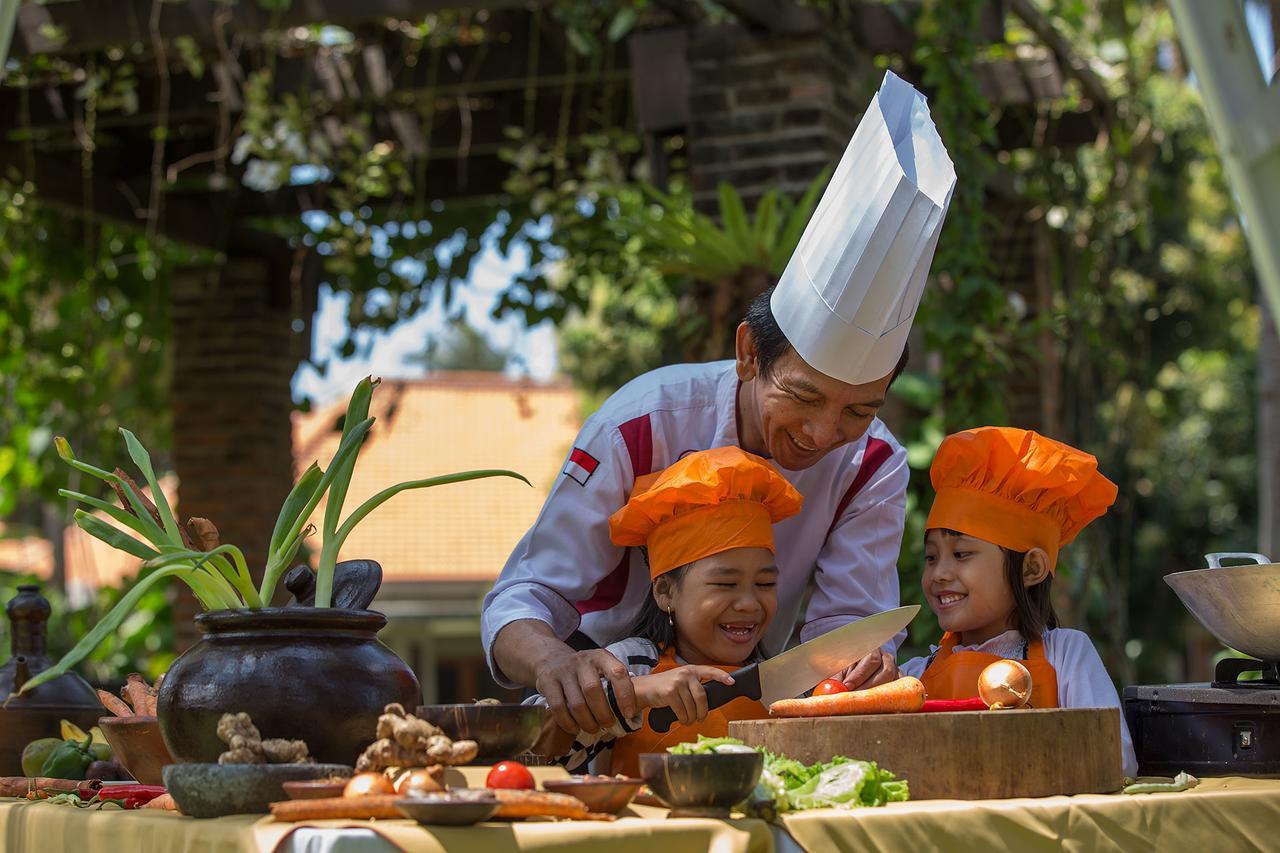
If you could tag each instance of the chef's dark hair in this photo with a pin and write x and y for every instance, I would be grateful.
(772, 344)
(1033, 606)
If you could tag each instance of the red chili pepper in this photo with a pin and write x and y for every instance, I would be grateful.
(130, 796)
(974, 704)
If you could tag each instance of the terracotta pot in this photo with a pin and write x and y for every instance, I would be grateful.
(320, 675)
(137, 744)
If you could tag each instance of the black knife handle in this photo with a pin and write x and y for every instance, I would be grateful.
(746, 682)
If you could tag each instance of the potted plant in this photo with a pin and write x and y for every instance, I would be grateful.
(316, 673)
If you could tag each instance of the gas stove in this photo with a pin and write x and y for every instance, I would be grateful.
(1227, 727)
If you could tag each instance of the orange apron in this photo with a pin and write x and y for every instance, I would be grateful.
(625, 754)
(954, 675)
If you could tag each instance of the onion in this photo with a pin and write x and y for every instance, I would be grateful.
(368, 784)
(1005, 684)
(415, 783)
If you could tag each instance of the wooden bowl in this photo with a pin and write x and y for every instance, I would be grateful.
(314, 789)
(137, 744)
(701, 785)
(502, 731)
(606, 796)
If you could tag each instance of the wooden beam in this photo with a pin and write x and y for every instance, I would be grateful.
(778, 16)
(93, 25)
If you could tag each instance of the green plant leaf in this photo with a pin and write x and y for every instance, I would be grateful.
(299, 496)
(113, 536)
(142, 459)
(799, 217)
(123, 516)
(64, 451)
(734, 216)
(357, 411)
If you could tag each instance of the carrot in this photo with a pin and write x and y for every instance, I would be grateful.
(901, 696)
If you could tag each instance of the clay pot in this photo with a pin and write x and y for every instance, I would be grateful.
(320, 675)
(36, 714)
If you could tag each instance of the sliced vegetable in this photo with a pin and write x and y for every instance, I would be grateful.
(1182, 782)
(902, 696)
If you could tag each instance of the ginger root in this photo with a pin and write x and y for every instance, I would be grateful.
(407, 741)
(246, 746)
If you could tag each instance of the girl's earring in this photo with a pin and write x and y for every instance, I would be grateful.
(671, 620)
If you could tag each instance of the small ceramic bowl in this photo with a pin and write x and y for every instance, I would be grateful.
(137, 744)
(314, 789)
(605, 796)
(701, 785)
(449, 809)
(502, 730)
(214, 790)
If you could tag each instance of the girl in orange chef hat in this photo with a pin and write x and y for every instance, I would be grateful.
(1007, 501)
(706, 523)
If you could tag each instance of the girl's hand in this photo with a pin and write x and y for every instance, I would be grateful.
(680, 689)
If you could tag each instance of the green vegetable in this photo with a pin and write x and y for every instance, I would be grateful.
(708, 745)
(787, 785)
(69, 759)
(1182, 782)
(33, 757)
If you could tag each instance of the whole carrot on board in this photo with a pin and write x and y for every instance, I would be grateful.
(902, 696)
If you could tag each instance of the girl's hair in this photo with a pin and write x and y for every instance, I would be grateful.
(1033, 608)
(653, 623)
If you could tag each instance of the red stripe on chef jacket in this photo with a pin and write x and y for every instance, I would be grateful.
(876, 453)
(637, 433)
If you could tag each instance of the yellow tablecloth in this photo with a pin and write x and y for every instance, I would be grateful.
(1220, 816)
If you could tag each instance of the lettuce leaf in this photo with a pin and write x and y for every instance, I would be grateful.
(706, 745)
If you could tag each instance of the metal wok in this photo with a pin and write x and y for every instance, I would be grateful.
(1240, 605)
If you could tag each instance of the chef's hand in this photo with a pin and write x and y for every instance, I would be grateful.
(879, 667)
(572, 686)
(679, 689)
(528, 652)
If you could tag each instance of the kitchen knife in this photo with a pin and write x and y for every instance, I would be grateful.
(801, 668)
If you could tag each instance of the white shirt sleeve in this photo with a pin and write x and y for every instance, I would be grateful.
(1083, 682)
(857, 568)
(914, 667)
(567, 551)
(640, 656)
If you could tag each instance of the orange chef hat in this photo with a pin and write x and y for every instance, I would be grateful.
(1016, 488)
(707, 502)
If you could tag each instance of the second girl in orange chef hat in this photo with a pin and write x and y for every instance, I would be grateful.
(1007, 501)
(707, 525)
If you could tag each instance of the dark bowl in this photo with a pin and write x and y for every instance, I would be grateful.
(701, 785)
(138, 745)
(315, 789)
(448, 809)
(501, 731)
(606, 796)
(214, 790)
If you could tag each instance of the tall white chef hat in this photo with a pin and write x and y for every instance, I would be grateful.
(849, 293)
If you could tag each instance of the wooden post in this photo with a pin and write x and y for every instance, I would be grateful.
(233, 360)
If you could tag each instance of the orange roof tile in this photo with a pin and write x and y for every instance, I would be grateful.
(445, 424)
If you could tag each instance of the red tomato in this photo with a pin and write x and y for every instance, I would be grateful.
(831, 685)
(509, 774)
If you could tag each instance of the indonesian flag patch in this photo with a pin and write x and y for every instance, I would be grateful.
(581, 466)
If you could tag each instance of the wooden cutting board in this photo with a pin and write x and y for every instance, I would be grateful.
(972, 755)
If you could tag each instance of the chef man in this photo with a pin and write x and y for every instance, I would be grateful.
(814, 360)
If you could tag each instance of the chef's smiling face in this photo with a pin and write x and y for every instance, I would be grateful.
(721, 605)
(796, 414)
(965, 582)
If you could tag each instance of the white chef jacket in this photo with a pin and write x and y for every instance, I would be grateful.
(567, 573)
(1083, 681)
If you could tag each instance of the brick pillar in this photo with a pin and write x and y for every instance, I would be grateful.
(770, 110)
(234, 358)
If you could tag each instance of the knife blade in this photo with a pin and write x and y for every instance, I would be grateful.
(800, 668)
